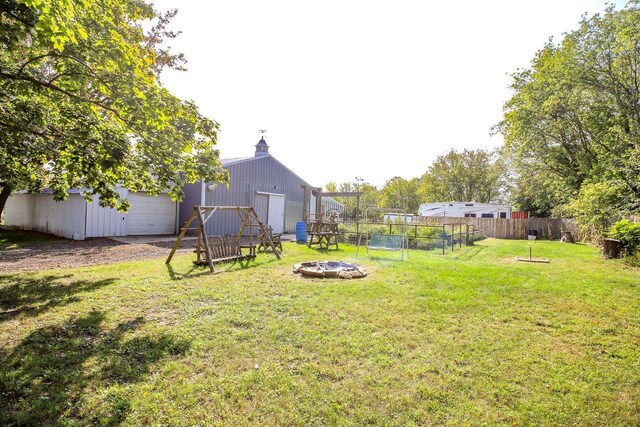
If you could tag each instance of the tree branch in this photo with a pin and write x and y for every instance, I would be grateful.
(57, 76)
(61, 55)
(63, 91)
(34, 59)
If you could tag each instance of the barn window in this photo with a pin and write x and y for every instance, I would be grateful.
(487, 215)
(503, 214)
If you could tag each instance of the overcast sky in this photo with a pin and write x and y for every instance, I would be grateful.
(359, 88)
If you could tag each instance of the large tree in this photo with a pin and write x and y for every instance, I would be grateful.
(400, 193)
(468, 175)
(572, 126)
(81, 103)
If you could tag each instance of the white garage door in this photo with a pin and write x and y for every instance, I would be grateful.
(151, 214)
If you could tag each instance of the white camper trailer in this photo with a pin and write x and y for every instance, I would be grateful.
(465, 210)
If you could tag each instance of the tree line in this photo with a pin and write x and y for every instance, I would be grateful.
(467, 175)
(571, 134)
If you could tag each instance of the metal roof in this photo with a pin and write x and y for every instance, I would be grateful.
(227, 162)
(236, 160)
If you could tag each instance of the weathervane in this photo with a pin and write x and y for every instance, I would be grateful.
(262, 131)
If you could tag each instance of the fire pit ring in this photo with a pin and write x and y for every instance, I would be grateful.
(329, 269)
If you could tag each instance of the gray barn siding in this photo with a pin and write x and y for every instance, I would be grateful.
(191, 199)
(292, 214)
(263, 174)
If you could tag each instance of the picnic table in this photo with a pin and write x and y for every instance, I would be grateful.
(323, 233)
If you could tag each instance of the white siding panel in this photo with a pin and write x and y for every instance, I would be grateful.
(275, 217)
(40, 212)
(106, 222)
(19, 211)
(151, 214)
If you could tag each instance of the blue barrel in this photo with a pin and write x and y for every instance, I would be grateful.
(301, 232)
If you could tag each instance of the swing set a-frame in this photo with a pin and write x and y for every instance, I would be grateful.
(214, 249)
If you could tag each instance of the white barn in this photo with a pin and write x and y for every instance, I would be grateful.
(465, 210)
(76, 219)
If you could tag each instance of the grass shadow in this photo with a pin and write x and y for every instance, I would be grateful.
(470, 252)
(11, 237)
(46, 374)
(249, 265)
(203, 270)
(199, 271)
(24, 295)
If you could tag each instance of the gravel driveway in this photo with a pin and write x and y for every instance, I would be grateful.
(73, 253)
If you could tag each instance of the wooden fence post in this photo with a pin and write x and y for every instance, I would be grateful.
(453, 237)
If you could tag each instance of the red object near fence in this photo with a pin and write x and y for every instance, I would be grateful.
(519, 215)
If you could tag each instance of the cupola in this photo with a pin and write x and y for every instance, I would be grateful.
(262, 148)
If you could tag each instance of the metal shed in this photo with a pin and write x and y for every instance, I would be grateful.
(76, 219)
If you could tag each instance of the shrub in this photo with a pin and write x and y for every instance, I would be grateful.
(594, 207)
(629, 234)
(632, 260)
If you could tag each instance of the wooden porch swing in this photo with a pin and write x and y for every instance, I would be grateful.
(217, 249)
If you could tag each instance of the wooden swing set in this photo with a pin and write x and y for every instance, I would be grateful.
(217, 249)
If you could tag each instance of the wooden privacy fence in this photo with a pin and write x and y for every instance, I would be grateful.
(506, 228)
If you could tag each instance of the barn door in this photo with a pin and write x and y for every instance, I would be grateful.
(275, 217)
(261, 205)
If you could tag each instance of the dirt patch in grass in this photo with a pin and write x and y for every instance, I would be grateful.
(82, 253)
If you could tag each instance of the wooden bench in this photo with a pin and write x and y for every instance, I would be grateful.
(225, 249)
(276, 238)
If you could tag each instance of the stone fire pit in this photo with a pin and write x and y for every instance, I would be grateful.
(329, 269)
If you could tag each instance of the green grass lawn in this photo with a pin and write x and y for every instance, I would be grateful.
(11, 238)
(470, 338)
